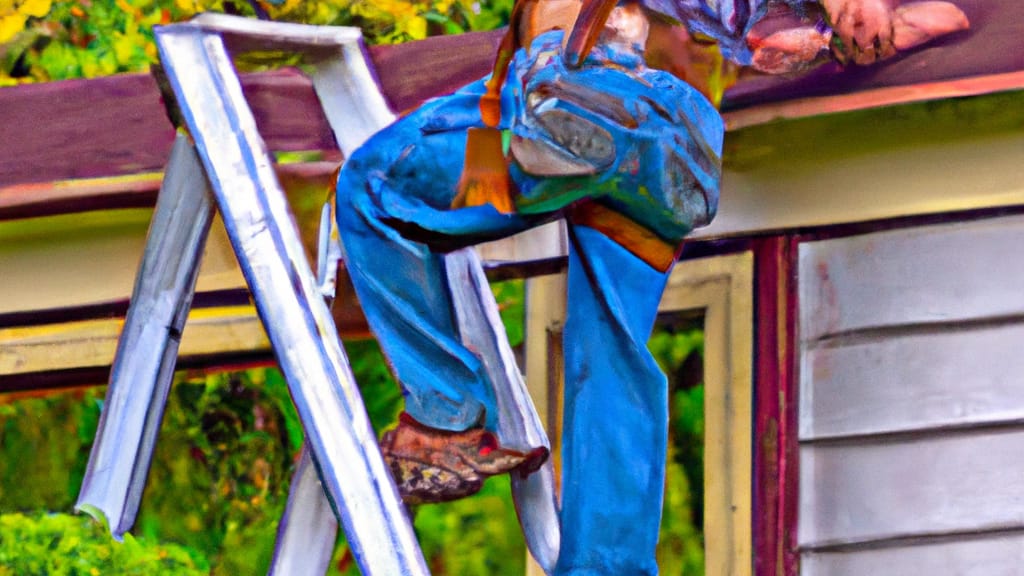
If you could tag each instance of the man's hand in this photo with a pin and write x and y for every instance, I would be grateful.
(871, 30)
(865, 29)
(919, 22)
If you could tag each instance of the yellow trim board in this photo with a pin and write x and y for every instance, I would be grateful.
(723, 287)
(75, 260)
(91, 343)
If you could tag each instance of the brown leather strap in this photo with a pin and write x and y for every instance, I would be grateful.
(638, 239)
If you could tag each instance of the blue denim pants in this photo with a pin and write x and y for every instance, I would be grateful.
(394, 198)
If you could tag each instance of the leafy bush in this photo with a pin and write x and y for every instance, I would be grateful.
(43, 40)
(680, 353)
(63, 545)
(226, 453)
(478, 535)
(220, 474)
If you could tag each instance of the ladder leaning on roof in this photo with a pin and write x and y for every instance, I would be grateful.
(223, 163)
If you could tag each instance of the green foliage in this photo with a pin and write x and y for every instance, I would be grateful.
(511, 297)
(42, 450)
(475, 536)
(15, 14)
(219, 479)
(84, 40)
(220, 473)
(680, 352)
(681, 542)
(672, 347)
(381, 394)
(44, 40)
(227, 449)
(63, 545)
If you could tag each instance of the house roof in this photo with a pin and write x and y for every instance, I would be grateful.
(113, 126)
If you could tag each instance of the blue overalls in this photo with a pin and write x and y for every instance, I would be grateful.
(394, 197)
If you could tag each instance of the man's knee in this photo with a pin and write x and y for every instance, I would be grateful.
(353, 196)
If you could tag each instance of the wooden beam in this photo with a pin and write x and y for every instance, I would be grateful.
(117, 125)
(35, 199)
(413, 72)
(776, 455)
(990, 47)
(875, 98)
(91, 343)
(39, 199)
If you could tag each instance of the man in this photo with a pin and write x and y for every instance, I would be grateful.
(630, 157)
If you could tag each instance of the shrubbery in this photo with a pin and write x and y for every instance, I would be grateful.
(224, 459)
(63, 545)
(44, 40)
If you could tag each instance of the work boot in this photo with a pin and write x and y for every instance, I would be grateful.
(431, 465)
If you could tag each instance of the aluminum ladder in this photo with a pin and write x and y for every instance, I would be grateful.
(219, 161)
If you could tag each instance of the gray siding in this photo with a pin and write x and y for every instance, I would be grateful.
(992, 555)
(871, 491)
(912, 401)
(898, 382)
(929, 274)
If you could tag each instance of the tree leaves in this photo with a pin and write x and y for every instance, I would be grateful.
(65, 545)
(14, 15)
(54, 40)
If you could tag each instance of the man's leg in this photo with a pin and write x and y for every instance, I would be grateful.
(388, 212)
(401, 286)
(616, 412)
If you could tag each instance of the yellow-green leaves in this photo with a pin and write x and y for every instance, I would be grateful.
(44, 40)
(14, 14)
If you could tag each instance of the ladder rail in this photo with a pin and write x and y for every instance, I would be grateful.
(147, 349)
(519, 425)
(227, 166)
(301, 330)
(342, 85)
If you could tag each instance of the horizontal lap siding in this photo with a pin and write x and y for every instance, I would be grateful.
(867, 492)
(914, 382)
(930, 274)
(995, 555)
(912, 400)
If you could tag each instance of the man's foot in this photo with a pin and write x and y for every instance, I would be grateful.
(431, 465)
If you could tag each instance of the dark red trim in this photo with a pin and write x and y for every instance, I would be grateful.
(775, 408)
(857, 228)
(790, 381)
(991, 46)
(117, 125)
(413, 72)
(705, 248)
